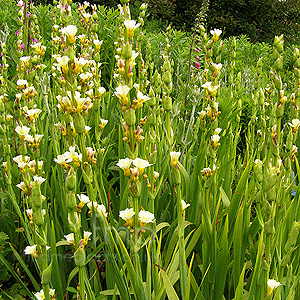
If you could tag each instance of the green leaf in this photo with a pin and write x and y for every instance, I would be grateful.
(168, 286)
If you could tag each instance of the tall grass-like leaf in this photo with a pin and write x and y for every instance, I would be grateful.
(221, 263)
(168, 286)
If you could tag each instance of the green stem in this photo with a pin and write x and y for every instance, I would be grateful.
(182, 257)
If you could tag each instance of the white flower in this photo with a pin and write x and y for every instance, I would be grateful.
(122, 93)
(131, 25)
(31, 250)
(184, 205)
(83, 198)
(101, 90)
(272, 285)
(70, 238)
(218, 130)
(102, 124)
(86, 237)
(126, 214)
(22, 131)
(71, 155)
(38, 179)
(141, 164)
(145, 217)
(41, 296)
(101, 210)
(97, 44)
(63, 63)
(21, 83)
(174, 158)
(70, 31)
(124, 164)
(295, 124)
(216, 34)
(20, 158)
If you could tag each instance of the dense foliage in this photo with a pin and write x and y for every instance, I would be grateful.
(145, 164)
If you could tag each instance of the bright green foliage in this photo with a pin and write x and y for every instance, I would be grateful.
(145, 166)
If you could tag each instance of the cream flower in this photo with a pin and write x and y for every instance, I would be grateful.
(127, 215)
(103, 123)
(70, 238)
(145, 217)
(122, 93)
(184, 205)
(174, 158)
(70, 31)
(216, 34)
(41, 296)
(31, 250)
(21, 83)
(86, 237)
(272, 285)
(22, 131)
(131, 26)
(38, 179)
(83, 199)
(63, 63)
(295, 125)
(97, 44)
(141, 164)
(101, 210)
(124, 164)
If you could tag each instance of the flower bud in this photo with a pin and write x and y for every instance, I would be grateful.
(277, 82)
(36, 196)
(135, 188)
(71, 182)
(38, 218)
(176, 176)
(293, 236)
(276, 54)
(46, 276)
(269, 227)
(167, 103)
(79, 123)
(258, 170)
(71, 201)
(79, 256)
(279, 64)
(167, 77)
(127, 51)
(297, 63)
(129, 117)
